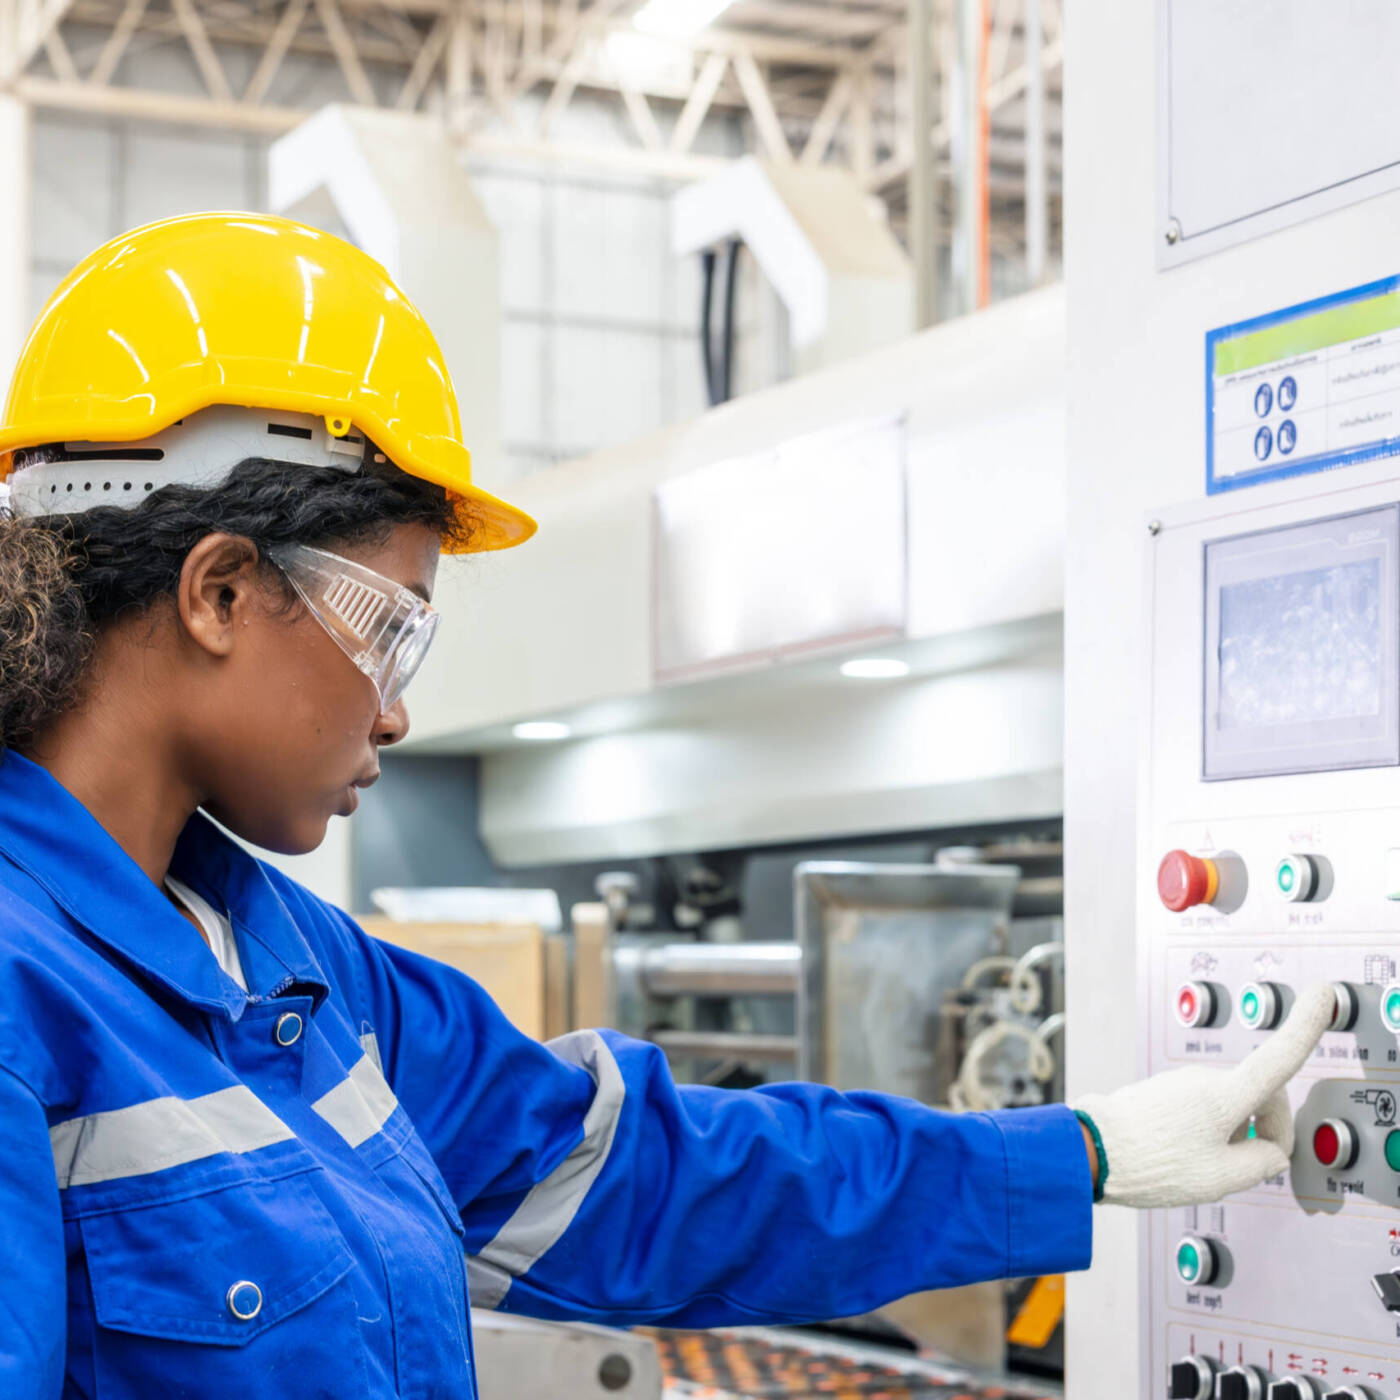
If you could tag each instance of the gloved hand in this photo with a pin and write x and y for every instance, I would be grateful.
(1181, 1138)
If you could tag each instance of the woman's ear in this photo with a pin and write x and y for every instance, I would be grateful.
(216, 590)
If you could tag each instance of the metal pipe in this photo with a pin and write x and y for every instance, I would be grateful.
(984, 164)
(1037, 213)
(718, 969)
(969, 166)
(725, 1045)
(921, 245)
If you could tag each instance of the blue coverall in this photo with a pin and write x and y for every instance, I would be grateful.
(289, 1192)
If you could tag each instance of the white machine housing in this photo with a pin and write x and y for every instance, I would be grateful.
(1295, 1295)
(780, 746)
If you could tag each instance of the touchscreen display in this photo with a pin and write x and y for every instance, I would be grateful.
(1300, 656)
(1301, 647)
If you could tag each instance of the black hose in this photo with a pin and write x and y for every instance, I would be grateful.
(707, 350)
(731, 278)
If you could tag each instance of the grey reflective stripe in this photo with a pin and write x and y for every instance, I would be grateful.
(549, 1209)
(486, 1284)
(360, 1105)
(148, 1137)
(369, 1043)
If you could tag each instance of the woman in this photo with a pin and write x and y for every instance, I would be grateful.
(249, 1148)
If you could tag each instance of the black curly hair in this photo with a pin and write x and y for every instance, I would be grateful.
(64, 577)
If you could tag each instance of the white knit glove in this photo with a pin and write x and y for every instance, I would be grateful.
(1181, 1138)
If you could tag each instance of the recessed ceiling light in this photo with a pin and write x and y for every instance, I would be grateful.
(541, 729)
(875, 668)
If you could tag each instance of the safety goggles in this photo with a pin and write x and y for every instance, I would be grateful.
(383, 627)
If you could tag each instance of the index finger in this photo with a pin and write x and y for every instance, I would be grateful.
(1274, 1063)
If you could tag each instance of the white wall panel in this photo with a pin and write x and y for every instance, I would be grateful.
(169, 173)
(607, 386)
(516, 205)
(686, 379)
(524, 418)
(73, 190)
(16, 167)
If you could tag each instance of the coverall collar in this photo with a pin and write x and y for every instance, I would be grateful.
(49, 834)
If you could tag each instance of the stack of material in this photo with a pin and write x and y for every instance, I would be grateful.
(751, 1364)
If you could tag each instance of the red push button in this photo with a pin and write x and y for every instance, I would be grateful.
(1197, 1005)
(1335, 1144)
(1184, 880)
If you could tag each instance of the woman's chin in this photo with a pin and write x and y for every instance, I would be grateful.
(298, 836)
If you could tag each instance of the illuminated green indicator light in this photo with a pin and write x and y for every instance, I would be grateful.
(1188, 1258)
(1392, 1150)
(1249, 1008)
(1286, 877)
(1392, 1009)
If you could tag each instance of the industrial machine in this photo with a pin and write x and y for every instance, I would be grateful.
(1270, 859)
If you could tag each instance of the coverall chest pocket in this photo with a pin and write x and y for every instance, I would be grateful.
(241, 1291)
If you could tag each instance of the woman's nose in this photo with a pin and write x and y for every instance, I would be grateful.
(391, 725)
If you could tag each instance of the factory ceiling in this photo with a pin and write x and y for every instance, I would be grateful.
(814, 81)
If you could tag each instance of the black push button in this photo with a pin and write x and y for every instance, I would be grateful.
(1192, 1379)
(1242, 1383)
(1387, 1288)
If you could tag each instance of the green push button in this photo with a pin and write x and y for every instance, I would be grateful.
(1249, 1008)
(1390, 1009)
(1287, 876)
(1392, 1150)
(1188, 1257)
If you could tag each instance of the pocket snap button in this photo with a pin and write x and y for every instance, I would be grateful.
(287, 1031)
(244, 1300)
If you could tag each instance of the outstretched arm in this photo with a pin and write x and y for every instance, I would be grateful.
(593, 1186)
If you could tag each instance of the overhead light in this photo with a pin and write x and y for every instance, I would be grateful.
(541, 729)
(875, 668)
(648, 61)
(678, 19)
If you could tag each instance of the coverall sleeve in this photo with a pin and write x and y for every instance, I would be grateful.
(33, 1285)
(593, 1186)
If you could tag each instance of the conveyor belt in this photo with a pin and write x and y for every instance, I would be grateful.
(765, 1365)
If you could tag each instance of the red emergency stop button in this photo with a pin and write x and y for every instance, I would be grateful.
(1184, 880)
(1335, 1144)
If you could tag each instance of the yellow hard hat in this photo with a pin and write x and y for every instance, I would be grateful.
(248, 310)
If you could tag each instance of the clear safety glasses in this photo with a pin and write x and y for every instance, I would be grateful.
(383, 627)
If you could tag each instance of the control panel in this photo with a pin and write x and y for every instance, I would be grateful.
(1269, 860)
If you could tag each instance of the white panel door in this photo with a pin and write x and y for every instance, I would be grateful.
(1271, 112)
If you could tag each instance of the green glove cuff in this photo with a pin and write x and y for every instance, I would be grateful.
(1101, 1180)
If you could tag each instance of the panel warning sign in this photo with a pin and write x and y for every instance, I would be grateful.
(1303, 390)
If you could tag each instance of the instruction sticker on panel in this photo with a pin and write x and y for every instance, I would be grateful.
(1304, 390)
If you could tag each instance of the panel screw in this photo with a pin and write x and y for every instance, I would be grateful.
(615, 1372)
(1154, 528)
(1173, 232)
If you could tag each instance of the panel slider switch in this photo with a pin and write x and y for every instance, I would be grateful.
(1387, 1288)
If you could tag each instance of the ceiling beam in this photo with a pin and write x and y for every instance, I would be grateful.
(765, 117)
(117, 41)
(697, 105)
(276, 50)
(33, 22)
(273, 121)
(344, 48)
(206, 60)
